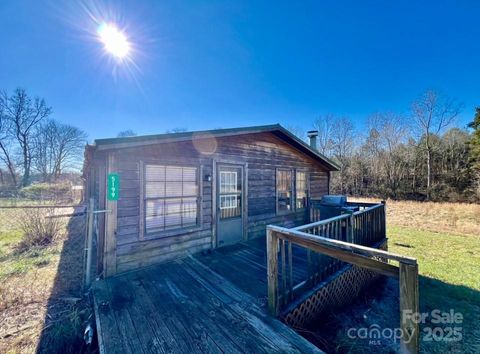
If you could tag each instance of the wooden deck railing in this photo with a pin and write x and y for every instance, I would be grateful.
(328, 245)
(365, 227)
(369, 225)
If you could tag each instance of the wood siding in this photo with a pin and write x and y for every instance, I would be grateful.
(261, 153)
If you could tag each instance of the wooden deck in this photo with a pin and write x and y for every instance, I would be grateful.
(212, 303)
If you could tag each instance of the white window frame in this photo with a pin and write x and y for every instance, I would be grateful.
(164, 232)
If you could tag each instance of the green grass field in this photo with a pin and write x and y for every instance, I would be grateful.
(449, 268)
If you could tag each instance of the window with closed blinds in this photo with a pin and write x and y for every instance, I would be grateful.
(301, 190)
(171, 197)
(284, 191)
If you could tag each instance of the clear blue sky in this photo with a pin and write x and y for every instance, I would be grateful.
(210, 64)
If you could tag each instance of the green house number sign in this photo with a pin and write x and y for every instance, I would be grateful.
(113, 186)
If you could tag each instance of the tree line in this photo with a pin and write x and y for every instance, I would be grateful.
(421, 155)
(32, 144)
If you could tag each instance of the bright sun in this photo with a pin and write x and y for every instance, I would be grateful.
(114, 40)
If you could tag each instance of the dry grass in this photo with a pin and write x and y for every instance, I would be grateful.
(41, 309)
(457, 218)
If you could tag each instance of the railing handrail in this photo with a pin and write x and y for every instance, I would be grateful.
(372, 206)
(345, 246)
(321, 222)
(362, 204)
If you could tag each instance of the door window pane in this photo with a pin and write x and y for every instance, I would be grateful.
(230, 196)
(228, 182)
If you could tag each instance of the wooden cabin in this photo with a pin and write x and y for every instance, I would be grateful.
(170, 195)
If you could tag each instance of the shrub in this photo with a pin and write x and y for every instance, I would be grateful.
(39, 228)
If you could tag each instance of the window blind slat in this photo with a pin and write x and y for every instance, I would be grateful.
(173, 189)
(171, 194)
(155, 207)
(154, 173)
(174, 173)
(189, 174)
(155, 189)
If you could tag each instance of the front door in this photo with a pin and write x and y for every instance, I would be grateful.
(229, 204)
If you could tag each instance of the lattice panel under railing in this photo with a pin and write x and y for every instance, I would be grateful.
(336, 293)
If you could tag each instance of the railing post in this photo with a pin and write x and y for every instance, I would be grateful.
(272, 272)
(409, 307)
(384, 219)
(350, 225)
(90, 216)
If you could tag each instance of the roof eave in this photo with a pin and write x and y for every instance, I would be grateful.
(120, 143)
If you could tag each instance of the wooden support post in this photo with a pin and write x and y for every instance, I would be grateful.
(214, 203)
(384, 219)
(409, 307)
(283, 292)
(310, 267)
(290, 271)
(350, 226)
(272, 272)
(110, 258)
(245, 202)
(101, 203)
(141, 211)
(88, 266)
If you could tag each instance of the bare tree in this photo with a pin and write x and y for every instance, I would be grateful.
(324, 125)
(432, 113)
(176, 130)
(57, 147)
(342, 150)
(342, 139)
(43, 147)
(297, 131)
(126, 133)
(388, 131)
(5, 144)
(25, 114)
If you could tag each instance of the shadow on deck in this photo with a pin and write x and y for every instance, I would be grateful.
(204, 303)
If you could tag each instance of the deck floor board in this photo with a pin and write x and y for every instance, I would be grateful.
(214, 303)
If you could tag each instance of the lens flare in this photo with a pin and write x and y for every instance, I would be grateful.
(114, 40)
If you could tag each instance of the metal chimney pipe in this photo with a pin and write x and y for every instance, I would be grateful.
(312, 135)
